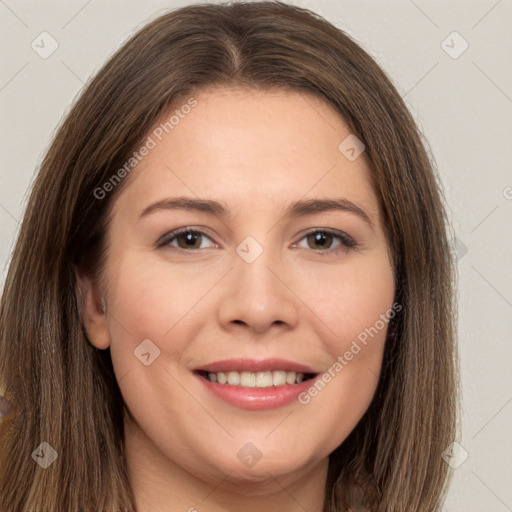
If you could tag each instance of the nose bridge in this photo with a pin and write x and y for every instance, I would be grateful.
(256, 266)
(257, 294)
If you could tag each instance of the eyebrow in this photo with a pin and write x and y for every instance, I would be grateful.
(299, 208)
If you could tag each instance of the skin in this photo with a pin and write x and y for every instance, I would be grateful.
(256, 152)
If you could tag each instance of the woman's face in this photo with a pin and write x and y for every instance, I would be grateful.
(260, 280)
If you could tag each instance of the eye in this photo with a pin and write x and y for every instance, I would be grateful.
(323, 239)
(320, 240)
(186, 238)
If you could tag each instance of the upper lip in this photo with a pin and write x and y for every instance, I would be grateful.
(255, 365)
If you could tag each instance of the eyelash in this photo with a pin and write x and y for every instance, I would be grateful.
(347, 243)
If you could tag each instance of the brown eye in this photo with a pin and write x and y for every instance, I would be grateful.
(321, 240)
(189, 240)
(186, 239)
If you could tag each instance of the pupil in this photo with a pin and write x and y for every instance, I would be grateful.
(320, 237)
(190, 237)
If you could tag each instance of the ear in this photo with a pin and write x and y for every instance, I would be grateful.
(92, 307)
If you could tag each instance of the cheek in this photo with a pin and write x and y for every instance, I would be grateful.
(356, 309)
(151, 298)
(160, 301)
(145, 302)
(348, 300)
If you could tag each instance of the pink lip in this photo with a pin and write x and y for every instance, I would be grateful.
(255, 365)
(256, 399)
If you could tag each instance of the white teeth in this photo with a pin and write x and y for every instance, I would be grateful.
(264, 379)
(247, 379)
(290, 377)
(233, 378)
(278, 377)
(256, 379)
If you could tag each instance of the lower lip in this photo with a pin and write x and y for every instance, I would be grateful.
(257, 399)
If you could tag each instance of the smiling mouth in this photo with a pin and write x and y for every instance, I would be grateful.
(256, 379)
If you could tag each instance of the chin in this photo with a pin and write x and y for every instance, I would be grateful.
(250, 465)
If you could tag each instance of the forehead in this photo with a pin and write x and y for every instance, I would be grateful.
(252, 148)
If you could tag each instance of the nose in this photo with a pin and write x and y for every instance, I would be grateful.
(258, 296)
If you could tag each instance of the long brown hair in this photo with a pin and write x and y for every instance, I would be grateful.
(63, 390)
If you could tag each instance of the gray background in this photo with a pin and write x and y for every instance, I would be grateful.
(463, 106)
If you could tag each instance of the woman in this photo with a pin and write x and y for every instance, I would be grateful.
(262, 371)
